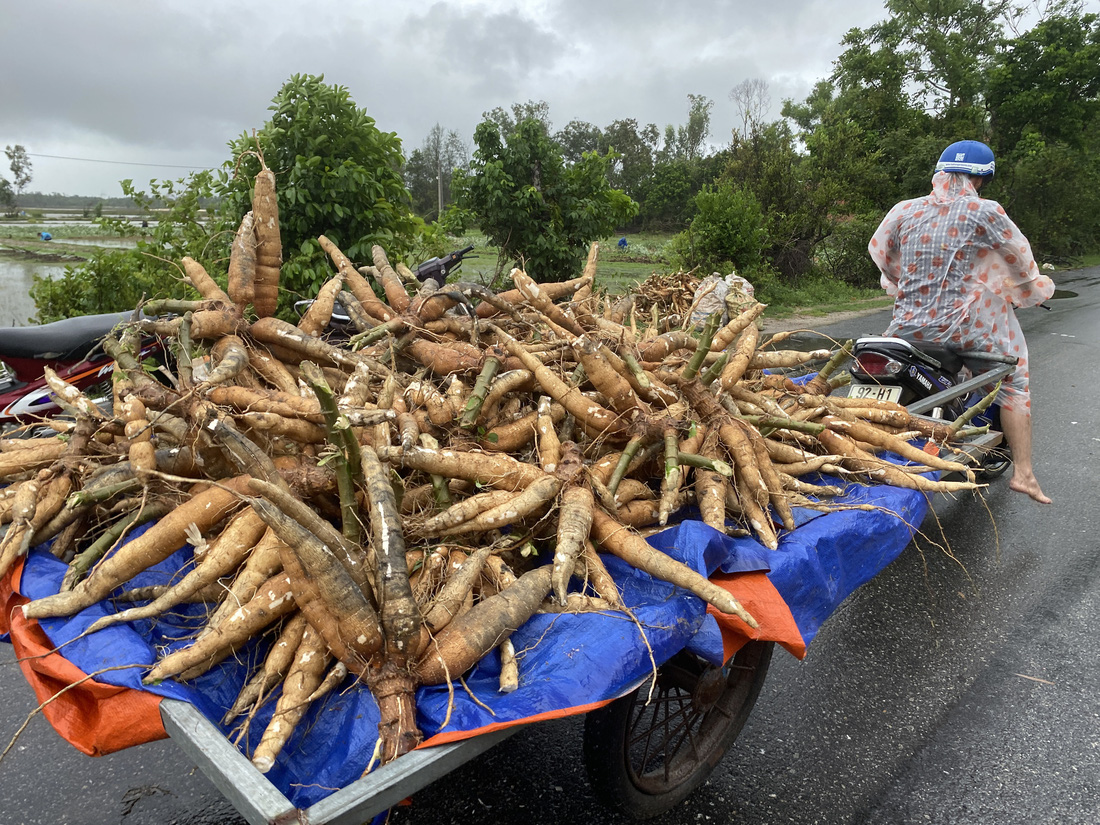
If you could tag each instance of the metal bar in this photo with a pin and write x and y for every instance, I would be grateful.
(261, 803)
(248, 790)
(940, 398)
(388, 785)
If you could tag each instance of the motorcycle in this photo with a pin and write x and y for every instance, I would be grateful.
(71, 348)
(931, 380)
(436, 269)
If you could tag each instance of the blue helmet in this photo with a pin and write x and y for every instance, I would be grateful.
(971, 157)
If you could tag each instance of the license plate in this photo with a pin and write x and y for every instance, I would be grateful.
(875, 392)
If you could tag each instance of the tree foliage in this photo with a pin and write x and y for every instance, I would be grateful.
(541, 212)
(20, 165)
(116, 280)
(1043, 97)
(429, 170)
(728, 230)
(7, 195)
(336, 175)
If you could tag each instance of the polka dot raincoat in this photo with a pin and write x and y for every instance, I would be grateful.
(956, 265)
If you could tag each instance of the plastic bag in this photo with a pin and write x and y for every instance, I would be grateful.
(728, 295)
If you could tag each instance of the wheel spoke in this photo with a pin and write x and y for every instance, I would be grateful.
(670, 743)
(666, 734)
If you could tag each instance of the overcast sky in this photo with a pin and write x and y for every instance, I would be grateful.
(158, 88)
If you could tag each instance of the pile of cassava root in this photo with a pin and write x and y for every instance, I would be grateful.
(393, 501)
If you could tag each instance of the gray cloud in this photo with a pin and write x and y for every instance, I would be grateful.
(172, 82)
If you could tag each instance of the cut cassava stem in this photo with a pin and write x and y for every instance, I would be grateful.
(819, 384)
(705, 338)
(348, 463)
(474, 403)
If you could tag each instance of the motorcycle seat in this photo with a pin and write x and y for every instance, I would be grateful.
(65, 340)
(950, 360)
(935, 356)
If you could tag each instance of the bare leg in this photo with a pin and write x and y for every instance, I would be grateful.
(1017, 431)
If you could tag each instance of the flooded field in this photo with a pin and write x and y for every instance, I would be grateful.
(16, 276)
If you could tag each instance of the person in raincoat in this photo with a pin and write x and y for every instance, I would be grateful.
(957, 266)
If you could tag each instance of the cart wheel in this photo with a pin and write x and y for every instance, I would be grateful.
(644, 757)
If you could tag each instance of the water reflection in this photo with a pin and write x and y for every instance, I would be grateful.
(16, 276)
(114, 243)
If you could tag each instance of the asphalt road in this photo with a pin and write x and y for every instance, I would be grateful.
(959, 686)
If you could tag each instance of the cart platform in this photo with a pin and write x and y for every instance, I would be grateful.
(571, 663)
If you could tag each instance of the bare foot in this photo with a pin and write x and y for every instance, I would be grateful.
(1028, 484)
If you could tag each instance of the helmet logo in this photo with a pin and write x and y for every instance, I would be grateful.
(960, 156)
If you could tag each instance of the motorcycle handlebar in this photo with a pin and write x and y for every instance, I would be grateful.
(439, 268)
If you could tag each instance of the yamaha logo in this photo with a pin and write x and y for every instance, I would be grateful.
(924, 382)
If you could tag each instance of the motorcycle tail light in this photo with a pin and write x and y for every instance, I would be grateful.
(873, 363)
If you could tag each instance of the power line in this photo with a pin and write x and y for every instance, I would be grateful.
(120, 162)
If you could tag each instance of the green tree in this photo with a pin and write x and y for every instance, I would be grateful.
(632, 148)
(947, 45)
(1046, 83)
(691, 138)
(336, 175)
(508, 120)
(1044, 100)
(669, 195)
(728, 230)
(20, 165)
(578, 137)
(769, 165)
(7, 195)
(429, 170)
(540, 212)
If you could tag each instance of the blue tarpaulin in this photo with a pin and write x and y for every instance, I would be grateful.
(568, 662)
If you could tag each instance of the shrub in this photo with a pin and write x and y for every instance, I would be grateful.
(843, 255)
(728, 231)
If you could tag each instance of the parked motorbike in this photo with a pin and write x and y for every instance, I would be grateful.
(70, 347)
(931, 380)
(436, 269)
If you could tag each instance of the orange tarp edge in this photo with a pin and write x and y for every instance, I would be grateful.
(757, 595)
(94, 717)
